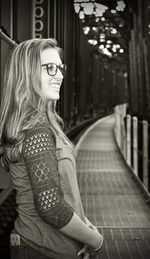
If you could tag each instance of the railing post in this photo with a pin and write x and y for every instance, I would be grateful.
(128, 140)
(123, 136)
(145, 154)
(117, 124)
(122, 129)
(135, 145)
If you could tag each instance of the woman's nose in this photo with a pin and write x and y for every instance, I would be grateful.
(59, 73)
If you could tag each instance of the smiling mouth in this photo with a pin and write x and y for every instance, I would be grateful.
(57, 84)
(56, 87)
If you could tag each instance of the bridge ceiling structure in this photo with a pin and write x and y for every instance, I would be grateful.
(106, 24)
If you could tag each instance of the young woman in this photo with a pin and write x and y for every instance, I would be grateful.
(51, 222)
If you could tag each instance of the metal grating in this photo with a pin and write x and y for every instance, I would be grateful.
(111, 198)
(125, 243)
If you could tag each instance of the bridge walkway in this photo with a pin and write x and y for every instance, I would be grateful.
(110, 194)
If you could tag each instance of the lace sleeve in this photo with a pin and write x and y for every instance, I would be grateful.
(39, 152)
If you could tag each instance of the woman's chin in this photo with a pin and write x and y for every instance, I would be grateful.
(54, 97)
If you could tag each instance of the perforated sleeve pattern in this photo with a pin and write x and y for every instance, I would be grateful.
(39, 152)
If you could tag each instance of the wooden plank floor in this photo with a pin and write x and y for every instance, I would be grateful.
(111, 197)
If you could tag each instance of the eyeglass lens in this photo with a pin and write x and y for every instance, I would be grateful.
(52, 69)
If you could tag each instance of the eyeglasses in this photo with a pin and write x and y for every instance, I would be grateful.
(53, 68)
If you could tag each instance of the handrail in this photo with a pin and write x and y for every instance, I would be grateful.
(128, 135)
(7, 39)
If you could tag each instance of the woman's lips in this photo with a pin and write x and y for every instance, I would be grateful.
(56, 86)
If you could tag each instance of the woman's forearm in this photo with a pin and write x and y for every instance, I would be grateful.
(78, 230)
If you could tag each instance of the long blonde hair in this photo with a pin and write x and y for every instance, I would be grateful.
(22, 94)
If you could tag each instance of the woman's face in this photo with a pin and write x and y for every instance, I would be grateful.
(51, 84)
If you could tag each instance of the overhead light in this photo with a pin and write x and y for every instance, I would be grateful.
(125, 74)
(101, 46)
(113, 11)
(113, 31)
(89, 7)
(97, 19)
(103, 19)
(102, 40)
(102, 37)
(108, 46)
(120, 6)
(117, 46)
(81, 15)
(92, 42)
(109, 41)
(107, 52)
(86, 30)
(77, 8)
(114, 48)
(94, 28)
(100, 9)
(121, 50)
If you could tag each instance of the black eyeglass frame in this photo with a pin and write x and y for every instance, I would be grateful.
(62, 68)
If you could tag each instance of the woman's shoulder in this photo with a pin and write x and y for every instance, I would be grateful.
(39, 126)
(38, 139)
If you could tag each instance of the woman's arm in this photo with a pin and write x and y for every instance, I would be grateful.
(39, 152)
(78, 230)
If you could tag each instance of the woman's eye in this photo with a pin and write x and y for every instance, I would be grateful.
(51, 68)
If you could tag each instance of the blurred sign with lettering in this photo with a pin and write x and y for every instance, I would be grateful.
(40, 18)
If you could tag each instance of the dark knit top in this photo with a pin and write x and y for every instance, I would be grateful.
(39, 152)
(47, 192)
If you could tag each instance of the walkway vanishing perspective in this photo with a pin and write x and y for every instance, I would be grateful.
(111, 197)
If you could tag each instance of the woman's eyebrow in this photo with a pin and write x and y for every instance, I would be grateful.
(45, 64)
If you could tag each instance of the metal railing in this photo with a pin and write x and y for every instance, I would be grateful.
(133, 137)
(7, 39)
(7, 195)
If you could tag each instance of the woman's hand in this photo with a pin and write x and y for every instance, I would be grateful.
(90, 225)
(84, 252)
(93, 227)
